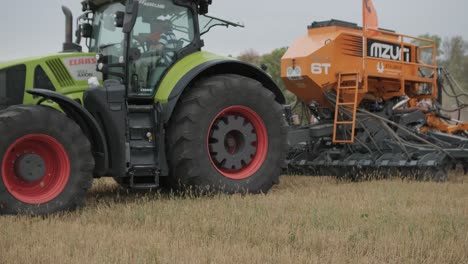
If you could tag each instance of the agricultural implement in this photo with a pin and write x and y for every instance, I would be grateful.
(370, 104)
(167, 114)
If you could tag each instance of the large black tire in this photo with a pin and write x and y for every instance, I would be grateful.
(227, 134)
(46, 161)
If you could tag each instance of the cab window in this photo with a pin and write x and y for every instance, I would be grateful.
(12, 85)
(41, 80)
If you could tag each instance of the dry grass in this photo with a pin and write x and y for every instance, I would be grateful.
(303, 220)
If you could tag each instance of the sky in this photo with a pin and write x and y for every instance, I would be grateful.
(36, 27)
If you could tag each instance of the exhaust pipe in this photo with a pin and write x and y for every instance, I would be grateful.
(68, 24)
(68, 45)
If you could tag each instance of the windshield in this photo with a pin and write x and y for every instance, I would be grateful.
(106, 37)
(162, 30)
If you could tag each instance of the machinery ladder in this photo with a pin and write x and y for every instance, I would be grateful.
(346, 107)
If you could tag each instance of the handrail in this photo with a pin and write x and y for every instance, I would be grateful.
(401, 38)
(403, 35)
(404, 41)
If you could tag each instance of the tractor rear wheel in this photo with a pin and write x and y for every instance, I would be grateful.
(46, 161)
(227, 134)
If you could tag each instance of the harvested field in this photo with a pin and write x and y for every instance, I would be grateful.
(303, 220)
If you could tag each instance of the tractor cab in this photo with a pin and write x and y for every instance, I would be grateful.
(137, 42)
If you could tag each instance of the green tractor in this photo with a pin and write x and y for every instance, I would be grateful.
(166, 114)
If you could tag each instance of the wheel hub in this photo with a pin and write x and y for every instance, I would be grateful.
(233, 142)
(237, 142)
(35, 168)
(30, 167)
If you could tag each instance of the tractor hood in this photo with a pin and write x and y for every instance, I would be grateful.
(8, 64)
(65, 73)
(4, 64)
(38, 60)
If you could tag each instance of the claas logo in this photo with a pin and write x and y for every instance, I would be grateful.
(81, 61)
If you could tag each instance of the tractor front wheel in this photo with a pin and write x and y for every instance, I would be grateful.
(227, 134)
(46, 161)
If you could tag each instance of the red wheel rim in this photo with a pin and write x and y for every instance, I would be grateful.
(56, 172)
(244, 136)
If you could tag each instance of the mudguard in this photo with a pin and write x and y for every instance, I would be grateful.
(202, 64)
(87, 123)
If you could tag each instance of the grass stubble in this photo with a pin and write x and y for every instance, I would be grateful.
(302, 220)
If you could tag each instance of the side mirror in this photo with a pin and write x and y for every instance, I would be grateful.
(86, 30)
(85, 6)
(203, 6)
(119, 19)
